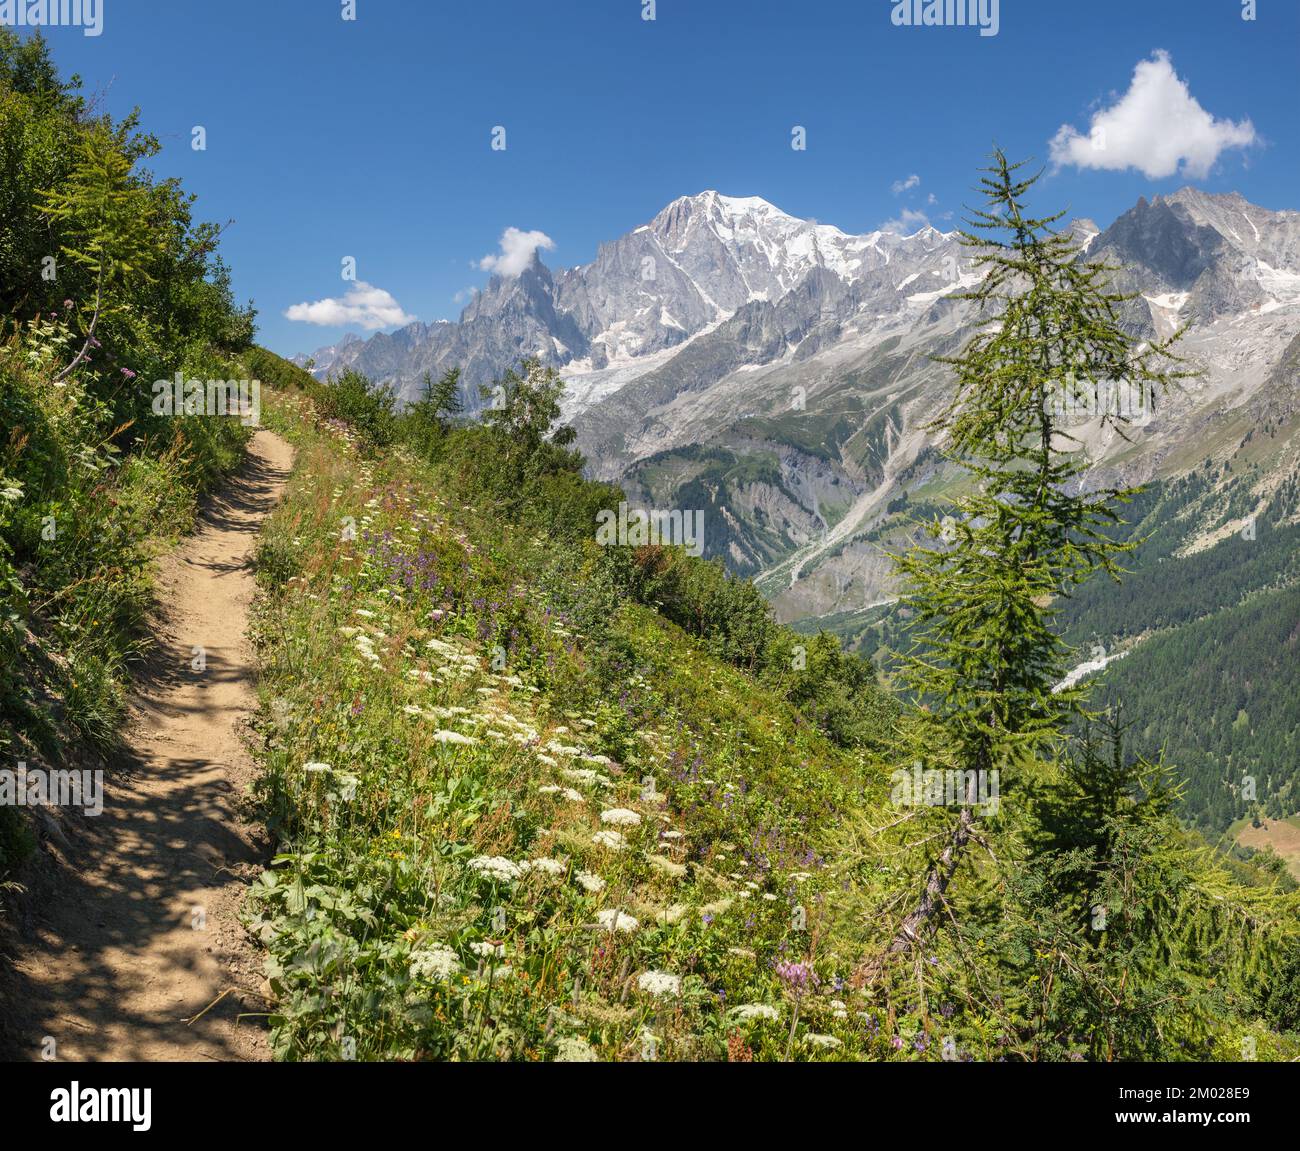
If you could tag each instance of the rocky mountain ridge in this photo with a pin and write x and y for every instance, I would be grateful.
(777, 372)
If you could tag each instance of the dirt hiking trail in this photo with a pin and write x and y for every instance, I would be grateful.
(141, 932)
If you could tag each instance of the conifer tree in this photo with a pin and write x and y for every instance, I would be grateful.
(428, 419)
(109, 222)
(1121, 936)
(444, 396)
(984, 658)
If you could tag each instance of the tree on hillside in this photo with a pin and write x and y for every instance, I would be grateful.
(525, 405)
(1089, 924)
(109, 223)
(26, 67)
(984, 658)
(524, 408)
(430, 417)
(444, 396)
(1122, 937)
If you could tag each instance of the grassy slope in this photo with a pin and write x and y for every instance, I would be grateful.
(459, 715)
(392, 913)
(1281, 836)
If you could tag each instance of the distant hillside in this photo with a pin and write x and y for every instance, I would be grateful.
(1212, 670)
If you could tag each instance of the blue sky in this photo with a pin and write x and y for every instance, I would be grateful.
(371, 138)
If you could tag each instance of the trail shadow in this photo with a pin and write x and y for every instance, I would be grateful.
(113, 949)
(143, 855)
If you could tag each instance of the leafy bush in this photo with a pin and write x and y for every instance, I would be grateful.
(369, 410)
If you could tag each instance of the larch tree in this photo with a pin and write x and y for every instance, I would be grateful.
(984, 660)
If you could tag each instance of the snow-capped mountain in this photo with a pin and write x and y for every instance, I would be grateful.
(777, 372)
(797, 423)
(694, 265)
(691, 268)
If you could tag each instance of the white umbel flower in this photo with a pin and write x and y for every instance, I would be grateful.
(612, 920)
(586, 775)
(620, 817)
(495, 867)
(436, 963)
(556, 789)
(659, 984)
(571, 1049)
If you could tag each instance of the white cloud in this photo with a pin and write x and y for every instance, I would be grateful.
(364, 305)
(517, 250)
(898, 187)
(1157, 127)
(907, 223)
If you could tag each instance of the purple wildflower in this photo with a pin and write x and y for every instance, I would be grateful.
(795, 976)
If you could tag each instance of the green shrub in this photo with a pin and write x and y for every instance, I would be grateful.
(369, 410)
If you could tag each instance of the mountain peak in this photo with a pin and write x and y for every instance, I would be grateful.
(712, 196)
(714, 204)
(1189, 194)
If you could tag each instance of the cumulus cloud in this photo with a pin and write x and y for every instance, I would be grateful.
(898, 187)
(516, 253)
(1157, 127)
(907, 223)
(363, 305)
